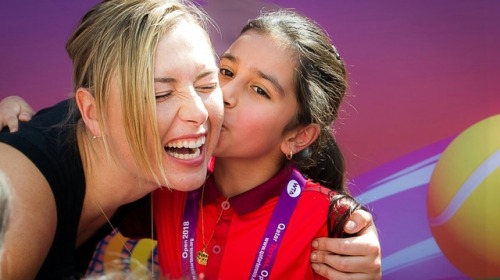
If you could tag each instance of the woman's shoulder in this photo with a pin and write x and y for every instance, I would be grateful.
(35, 213)
(17, 166)
(49, 145)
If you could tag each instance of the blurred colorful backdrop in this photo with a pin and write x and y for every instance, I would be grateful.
(420, 129)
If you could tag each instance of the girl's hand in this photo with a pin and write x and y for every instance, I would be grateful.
(12, 110)
(357, 257)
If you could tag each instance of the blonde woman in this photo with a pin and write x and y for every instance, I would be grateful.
(146, 112)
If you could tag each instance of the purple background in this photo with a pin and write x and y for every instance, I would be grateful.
(421, 72)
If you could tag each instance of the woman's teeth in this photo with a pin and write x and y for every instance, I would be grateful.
(185, 149)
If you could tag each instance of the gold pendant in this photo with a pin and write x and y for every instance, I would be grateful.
(202, 257)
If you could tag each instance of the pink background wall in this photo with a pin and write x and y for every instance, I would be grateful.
(421, 72)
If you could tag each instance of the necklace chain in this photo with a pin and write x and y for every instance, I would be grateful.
(224, 206)
(115, 231)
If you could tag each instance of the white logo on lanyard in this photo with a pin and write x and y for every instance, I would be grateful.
(293, 188)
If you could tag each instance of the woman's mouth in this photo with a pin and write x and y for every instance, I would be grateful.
(183, 149)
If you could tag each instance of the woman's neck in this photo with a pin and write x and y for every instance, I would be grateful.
(107, 187)
(235, 176)
(105, 180)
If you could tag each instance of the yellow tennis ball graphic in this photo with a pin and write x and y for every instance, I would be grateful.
(463, 200)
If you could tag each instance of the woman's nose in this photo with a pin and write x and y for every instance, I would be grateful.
(194, 110)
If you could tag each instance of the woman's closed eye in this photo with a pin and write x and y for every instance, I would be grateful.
(162, 96)
(207, 88)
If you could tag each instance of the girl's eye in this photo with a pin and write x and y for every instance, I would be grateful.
(260, 91)
(226, 72)
(162, 96)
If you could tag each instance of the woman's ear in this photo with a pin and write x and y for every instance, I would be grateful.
(299, 139)
(87, 105)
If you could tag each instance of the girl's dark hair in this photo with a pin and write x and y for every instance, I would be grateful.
(320, 78)
(321, 84)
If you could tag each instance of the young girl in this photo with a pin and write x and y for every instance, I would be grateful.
(277, 164)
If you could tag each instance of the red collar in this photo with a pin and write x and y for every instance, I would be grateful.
(254, 198)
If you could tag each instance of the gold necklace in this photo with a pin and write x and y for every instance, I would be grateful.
(202, 255)
(114, 230)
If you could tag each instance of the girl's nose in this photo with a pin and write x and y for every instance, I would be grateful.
(229, 94)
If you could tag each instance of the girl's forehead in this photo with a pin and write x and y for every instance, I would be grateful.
(262, 44)
(263, 56)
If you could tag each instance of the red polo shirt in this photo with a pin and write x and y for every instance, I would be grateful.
(238, 235)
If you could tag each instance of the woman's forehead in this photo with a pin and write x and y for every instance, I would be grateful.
(186, 48)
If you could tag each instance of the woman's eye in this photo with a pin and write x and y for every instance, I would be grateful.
(260, 91)
(207, 88)
(226, 72)
(162, 96)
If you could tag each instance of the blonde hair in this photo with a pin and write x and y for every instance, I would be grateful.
(118, 38)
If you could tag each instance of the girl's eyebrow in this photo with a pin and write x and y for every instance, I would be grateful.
(229, 57)
(261, 74)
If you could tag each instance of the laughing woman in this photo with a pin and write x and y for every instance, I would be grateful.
(143, 83)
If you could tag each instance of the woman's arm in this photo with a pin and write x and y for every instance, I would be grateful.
(12, 110)
(356, 257)
(32, 222)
